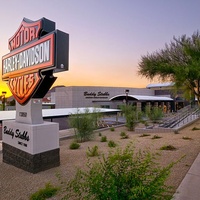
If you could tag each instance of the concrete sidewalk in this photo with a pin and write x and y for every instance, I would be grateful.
(189, 188)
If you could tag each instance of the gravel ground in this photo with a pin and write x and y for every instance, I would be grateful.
(16, 184)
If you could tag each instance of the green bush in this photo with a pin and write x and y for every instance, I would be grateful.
(168, 147)
(111, 143)
(74, 145)
(195, 129)
(93, 151)
(103, 139)
(122, 175)
(100, 134)
(112, 129)
(186, 138)
(44, 193)
(156, 137)
(155, 114)
(144, 135)
(132, 115)
(124, 135)
(176, 132)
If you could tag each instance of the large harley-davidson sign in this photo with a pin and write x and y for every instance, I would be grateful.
(36, 51)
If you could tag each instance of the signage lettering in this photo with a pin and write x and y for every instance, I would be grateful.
(26, 33)
(8, 131)
(22, 114)
(23, 144)
(96, 94)
(35, 55)
(22, 86)
(23, 136)
(17, 134)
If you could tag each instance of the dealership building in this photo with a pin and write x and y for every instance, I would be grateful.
(112, 97)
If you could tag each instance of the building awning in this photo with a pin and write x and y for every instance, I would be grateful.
(141, 98)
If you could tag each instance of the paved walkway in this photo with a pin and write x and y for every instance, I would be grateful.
(188, 189)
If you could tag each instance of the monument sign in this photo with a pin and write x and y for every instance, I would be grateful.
(37, 50)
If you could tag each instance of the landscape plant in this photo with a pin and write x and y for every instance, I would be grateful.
(103, 139)
(186, 138)
(132, 115)
(168, 147)
(48, 191)
(123, 174)
(111, 143)
(156, 137)
(195, 129)
(84, 124)
(94, 151)
(144, 135)
(112, 129)
(124, 135)
(74, 145)
(154, 113)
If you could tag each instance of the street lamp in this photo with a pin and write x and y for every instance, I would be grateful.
(3, 98)
(126, 91)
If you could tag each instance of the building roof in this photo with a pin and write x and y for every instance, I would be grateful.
(141, 98)
(59, 112)
(159, 85)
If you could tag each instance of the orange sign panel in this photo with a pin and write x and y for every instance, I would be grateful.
(36, 49)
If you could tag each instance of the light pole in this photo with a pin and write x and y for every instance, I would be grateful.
(126, 91)
(3, 99)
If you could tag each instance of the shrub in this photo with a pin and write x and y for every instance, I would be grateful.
(144, 135)
(124, 174)
(100, 134)
(84, 124)
(92, 151)
(112, 129)
(103, 139)
(123, 135)
(74, 145)
(176, 132)
(168, 147)
(154, 114)
(195, 129)
(156, 137)
(132, 115)
(111, 143)
(44, 193)
(186, 138)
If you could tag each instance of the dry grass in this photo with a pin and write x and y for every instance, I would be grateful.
(18, 184)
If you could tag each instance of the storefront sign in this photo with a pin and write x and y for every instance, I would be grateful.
(96, 94)
(21, 136)
(37, 50)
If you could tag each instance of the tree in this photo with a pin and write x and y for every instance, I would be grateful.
(178, 62)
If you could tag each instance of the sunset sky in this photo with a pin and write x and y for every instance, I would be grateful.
(107, 37)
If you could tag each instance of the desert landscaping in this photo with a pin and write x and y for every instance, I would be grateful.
(18, 184)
